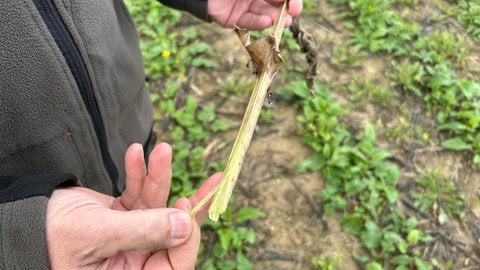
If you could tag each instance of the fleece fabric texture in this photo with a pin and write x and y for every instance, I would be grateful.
(22, 234)
(46, 131)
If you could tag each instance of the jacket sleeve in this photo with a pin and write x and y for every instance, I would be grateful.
(198, 8)
(23, 206)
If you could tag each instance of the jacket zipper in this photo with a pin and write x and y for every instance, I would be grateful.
(65, 42)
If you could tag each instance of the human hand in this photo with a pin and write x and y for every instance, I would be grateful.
(90, 230)
(250, 14)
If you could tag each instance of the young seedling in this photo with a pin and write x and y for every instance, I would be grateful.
(265, 55)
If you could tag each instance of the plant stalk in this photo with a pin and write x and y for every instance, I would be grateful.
(265, 55)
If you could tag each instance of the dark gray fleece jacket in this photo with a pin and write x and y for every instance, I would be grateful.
(72, 99)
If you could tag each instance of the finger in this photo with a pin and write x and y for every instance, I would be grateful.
(262, 15)
(294, 6)
(184, 256)
(143, 231)
(206, 187)
(135, 175)
(159, 260)
(264, 8)
(253, 21)
(256, 22)
(163, 259)
(181, 257)
(157, 186)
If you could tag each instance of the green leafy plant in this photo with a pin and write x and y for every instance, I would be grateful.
(377, 27)
(362, 89)
(438, 47)
(436, 190)
(164, 49)
(470, 17)
(409, 75)
(347, 56)
(359, 182)
(233, 239)
(330, 262)
(430, 72)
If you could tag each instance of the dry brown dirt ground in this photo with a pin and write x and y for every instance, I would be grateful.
(293, 229)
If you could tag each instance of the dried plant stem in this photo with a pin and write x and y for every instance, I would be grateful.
(264, 54)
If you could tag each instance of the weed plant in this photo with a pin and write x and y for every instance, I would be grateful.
(359, 182)
(424, 64)
(469, 17)
(163, 45)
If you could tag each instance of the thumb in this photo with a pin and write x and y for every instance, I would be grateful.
(143, 231)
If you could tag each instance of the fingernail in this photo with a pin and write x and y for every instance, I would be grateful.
(179, 225)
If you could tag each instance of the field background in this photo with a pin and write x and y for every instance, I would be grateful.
(366, 153)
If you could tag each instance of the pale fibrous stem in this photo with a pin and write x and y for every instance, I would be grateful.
(265, 55)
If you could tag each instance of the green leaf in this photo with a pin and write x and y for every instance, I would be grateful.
(284, 93)
(190, 33)
(470, 89)
(171, 88)
(387, 172)
(207, 114)
(391, 240)
(372, 235)
(219, 125)
(373, 266)
(402, 247)
(422, 265)
(476, 159)
(456, 143)
(400, 260)
(198, 47)
(409, 224)
(300, 89)
(197, 133)
(167, 106)
(334, 203)
(379, 155)
(226, 265)
(204, 62)
(178, 134)
(313, 163)
(354, 186)
(454, 126)
(154, 97)
(226, 236)
(349, 25)
(248, 213)
(391, 193)
(243, 263)
(250, 236)
(352, 223)
(414, 236)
